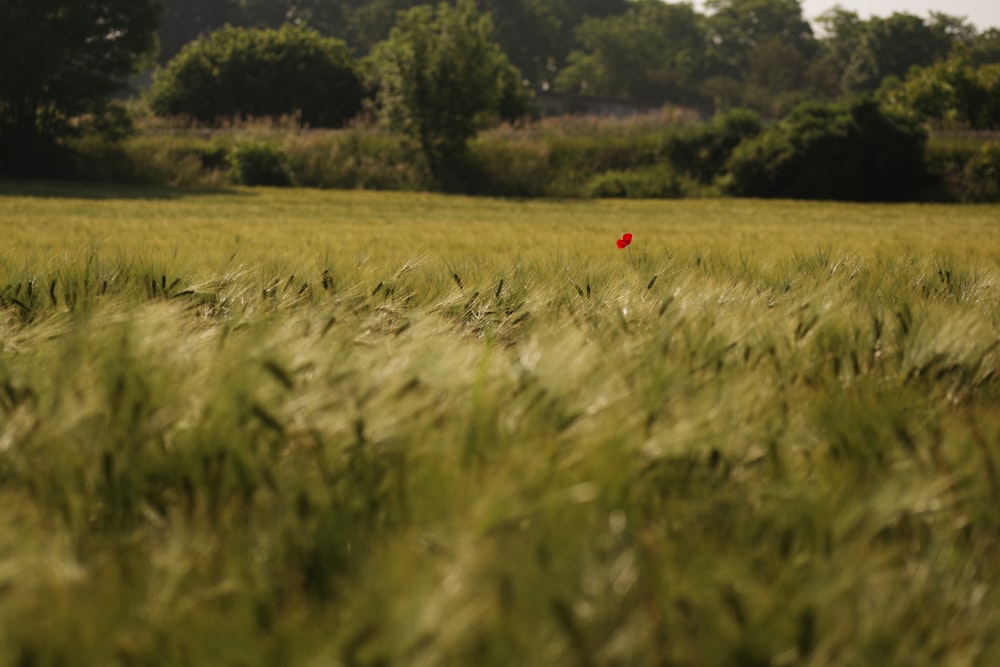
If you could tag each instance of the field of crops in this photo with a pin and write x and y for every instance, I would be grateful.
(291, 427)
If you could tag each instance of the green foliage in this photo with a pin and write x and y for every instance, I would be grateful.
(240, 73)
(554, 158)
(181, 161)
(951, 91)
(59, 61)
(356, 159)
(653, 52)
(440, 77)
(184, 21)
(851, 151)
(970, 169)
(981, 174)
(651, 183)
(536, 34)
(736, 28)
(259, 163)
(702, 150)
(891, 46)
(984, 48)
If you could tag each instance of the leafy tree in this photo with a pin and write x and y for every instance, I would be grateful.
(370, 22)
(186, 20)
(890, 46)
(843, 31)
(531, 34)
(252, 72)
(850, 151)
(360, 23)
(737, 27)
(655, 51)
(537, 35)
(956, 28)
(985, 47)
(59, 60)
(439, 77)
(760, 54)
(951, 90)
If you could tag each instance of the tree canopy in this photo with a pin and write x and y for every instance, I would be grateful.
(758, 53)
(59, 60)
(439, 76)
(948, 91)
(260, 72)
(655, 50)
(890, 46)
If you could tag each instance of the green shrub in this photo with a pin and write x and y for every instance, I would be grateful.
(575, 160)
(259, 163)
(655, 183)
(509, 168)
(981, 174)
(849, 151)
(701, 150)
(356, 159)
(237, 72)
(95, 158)
(180, 161)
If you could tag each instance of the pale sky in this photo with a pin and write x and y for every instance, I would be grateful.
(981, 13)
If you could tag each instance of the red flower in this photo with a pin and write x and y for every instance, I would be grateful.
(624, 241)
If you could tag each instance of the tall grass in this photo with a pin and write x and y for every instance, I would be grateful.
(668, 154)
(424, 430)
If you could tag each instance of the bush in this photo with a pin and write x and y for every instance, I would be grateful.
(981, 175)
(179, 161)
(575, 159)
(506, 167)
(657, 183)
(849, 151)
(701, 151)
(356, 159)
(258, 163)
(237, 72)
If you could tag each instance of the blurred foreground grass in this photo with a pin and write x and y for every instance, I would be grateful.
(307, 428)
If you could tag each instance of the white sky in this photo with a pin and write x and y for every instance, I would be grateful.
(981, 13)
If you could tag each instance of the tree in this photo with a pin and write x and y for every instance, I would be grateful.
(890, 46)
(737, 27)
(537, 35)
(950, 90)
(439, 77)
(849, 151)
(243, 72)
(843, 31)
(656, 51)
(985, 47)
(59, 60)
(186, 20)
(531, 34)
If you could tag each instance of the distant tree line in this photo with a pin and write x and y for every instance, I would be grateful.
(761, 54)
(537, 35)
(438, 73)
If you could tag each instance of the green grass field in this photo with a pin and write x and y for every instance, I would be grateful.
(291, 427)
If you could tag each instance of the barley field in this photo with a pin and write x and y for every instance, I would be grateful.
(290, 427)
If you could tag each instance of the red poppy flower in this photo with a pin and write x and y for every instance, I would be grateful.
(624, 240)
